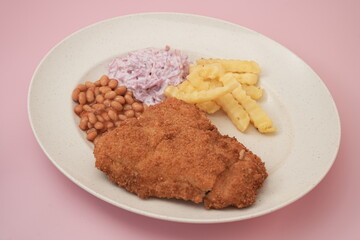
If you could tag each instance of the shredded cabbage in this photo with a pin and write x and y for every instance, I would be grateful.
(147, 72)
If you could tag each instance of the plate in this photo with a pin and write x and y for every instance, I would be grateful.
(297, 156)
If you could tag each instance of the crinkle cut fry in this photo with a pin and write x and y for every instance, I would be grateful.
(258, 116)
(233, 65)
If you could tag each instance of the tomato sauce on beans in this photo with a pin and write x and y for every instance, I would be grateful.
(102, 105)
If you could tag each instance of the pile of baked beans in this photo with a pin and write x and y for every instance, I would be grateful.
(102, 105)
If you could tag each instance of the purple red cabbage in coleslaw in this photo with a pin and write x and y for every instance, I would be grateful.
(147, 72)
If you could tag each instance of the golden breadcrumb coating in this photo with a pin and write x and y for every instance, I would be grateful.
(173, 151)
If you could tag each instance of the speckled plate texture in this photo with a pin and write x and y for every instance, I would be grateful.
(297, 156)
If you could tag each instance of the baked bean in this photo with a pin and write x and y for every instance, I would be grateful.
(99, 125)
(104, 129)
(120, 99)
(97, 83)
(98, 107)
(117, 123)
(91, 135)
(92, 118)
(109, 125)
(121, 90)
(122, 117)
(78, 109)
(104, 80)
(110, 95)
(127, 107)
(83, 114)
(82, 87)
(137, 114)
(105, 116)
(137, 107)
(103, 105)
(83, 123)
(99, 98)
(95, 140)
(82, 98)
(89, 84)
(75, 95)
(129, 99)
(97, 91)
(87, 108)
(90, 96)
(107, 102)
(116, 105)
(113, 83)
(91, 130)
(129, 113)
(104, 89)
(100, 118)
(112, 115)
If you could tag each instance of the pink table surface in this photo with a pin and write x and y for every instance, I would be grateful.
(38, 202)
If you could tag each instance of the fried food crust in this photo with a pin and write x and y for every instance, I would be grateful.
(173, 151)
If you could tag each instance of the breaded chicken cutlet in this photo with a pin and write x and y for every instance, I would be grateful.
(173, 151)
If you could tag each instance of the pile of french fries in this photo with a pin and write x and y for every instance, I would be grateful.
(230, 85)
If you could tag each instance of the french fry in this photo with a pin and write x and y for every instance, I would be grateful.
(214, 84)
(235, 111)
(196, 78)
(253, 91)
(186, 87)
(200, 96)
(197, 81)
(211, 70)
(247, 78)
(209, 107)
(230, 65)
(192, 67)
(257, 115)
(232, 108)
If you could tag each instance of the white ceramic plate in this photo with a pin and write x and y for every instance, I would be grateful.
(297, 156)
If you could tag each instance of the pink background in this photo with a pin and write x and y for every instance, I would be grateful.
(38, 202)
